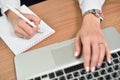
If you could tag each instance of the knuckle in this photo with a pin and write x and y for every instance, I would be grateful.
(32, 34)
(16, 30)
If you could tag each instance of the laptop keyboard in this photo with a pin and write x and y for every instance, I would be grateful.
(77, 72)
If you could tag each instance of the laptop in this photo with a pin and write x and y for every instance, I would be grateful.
(57, 62)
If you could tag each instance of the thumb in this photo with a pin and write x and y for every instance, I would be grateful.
(77, 46)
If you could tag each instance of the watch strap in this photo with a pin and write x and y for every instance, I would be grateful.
(98, 13)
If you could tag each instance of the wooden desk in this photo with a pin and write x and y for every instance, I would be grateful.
(65, 17)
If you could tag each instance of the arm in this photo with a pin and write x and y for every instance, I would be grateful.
(21, 28)
(90, 39)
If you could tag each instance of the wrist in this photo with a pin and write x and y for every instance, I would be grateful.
(91, 21)
(91, 18)
(11, 16)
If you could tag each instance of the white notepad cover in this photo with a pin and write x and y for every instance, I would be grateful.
(19, 45)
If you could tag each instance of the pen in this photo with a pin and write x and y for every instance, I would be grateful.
(21, 16)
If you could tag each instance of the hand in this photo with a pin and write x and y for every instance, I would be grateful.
(90, 40)
(21, 28)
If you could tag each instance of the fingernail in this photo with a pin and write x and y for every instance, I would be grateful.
(87, 69)
(76, 54)
(92, 69)
(109, 61)
(98, 66)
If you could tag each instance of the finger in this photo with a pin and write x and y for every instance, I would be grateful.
(87, 55)
(19, 35)
(20, 32)
(95, 56)
(77, 46)
(101, 55)
(29, 30)
(108, 55)
(33, 18)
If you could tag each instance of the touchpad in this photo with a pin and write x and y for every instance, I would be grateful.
(63, 54)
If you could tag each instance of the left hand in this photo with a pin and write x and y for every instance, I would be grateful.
(90, 40)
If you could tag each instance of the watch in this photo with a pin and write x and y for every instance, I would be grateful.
(98, 13)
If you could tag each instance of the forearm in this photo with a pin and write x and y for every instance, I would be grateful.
(86, 5)
(11, 16)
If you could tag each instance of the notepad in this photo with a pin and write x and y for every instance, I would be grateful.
(19, 45)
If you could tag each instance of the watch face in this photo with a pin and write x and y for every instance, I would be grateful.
(99, 14)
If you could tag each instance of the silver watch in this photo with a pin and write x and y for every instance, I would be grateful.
(98, 13)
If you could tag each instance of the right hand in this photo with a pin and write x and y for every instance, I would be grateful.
(91, 42)
(21, 28)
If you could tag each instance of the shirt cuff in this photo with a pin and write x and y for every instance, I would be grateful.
(86, 5)
(4, 8)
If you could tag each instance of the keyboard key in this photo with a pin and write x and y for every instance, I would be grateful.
(69, 76)
(76, 74)
(115, 75)
(44, 76)
(83, 71)
(103, 65)
(116, 67)
(59, 73)
(37, 78)
(100, 78)
(109, 69)
(102, 72)
(89, 76)
(119, 72)
(74, 68)
(51, 75)
(96, 74)
(116, 61)
(82, 78)
(62, 78)
(108, 77)
(114, 55)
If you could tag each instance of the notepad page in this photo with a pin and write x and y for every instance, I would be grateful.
(19, 45)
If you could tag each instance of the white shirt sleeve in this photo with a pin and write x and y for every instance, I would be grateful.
(86, 5)
(13, 3)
